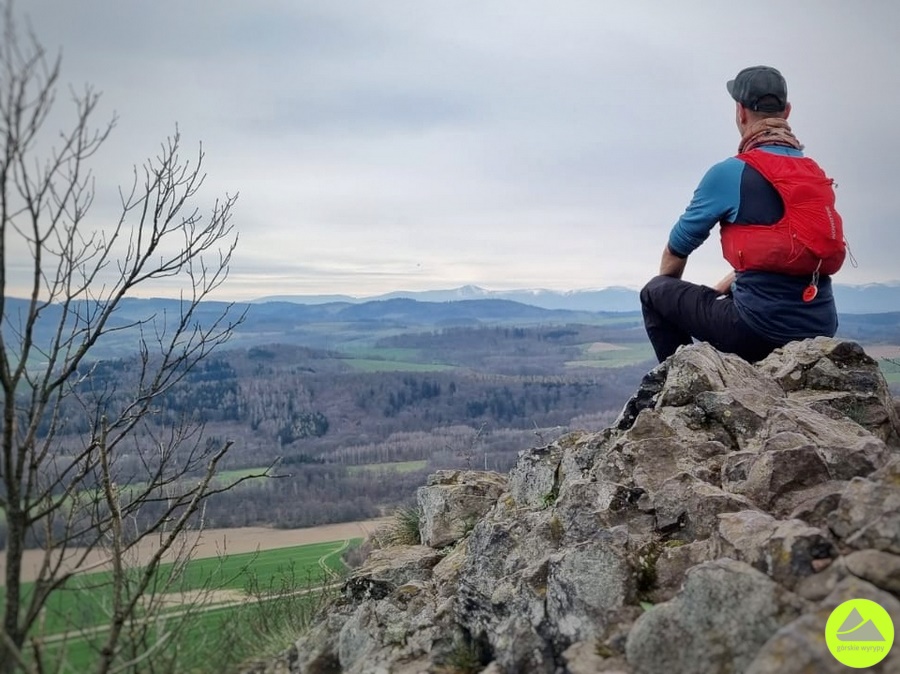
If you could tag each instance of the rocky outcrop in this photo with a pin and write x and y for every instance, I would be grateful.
(713, 528)
(453, 501)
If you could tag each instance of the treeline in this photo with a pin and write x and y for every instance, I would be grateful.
(310, 495)
(317, 418)
(288, 402)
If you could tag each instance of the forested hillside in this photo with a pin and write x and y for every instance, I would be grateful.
(349, 434)
(350, 431)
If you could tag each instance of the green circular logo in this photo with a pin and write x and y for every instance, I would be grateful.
(859, 633)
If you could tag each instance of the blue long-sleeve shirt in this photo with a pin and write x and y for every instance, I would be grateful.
(772, 304)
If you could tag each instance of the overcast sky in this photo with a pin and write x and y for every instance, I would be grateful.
(411, 144)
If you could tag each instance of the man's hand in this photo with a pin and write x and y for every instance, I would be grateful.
(671, 265)
(723, 287)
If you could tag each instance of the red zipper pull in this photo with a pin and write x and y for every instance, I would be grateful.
(810, 292)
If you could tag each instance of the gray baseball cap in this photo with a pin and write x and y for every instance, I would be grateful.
(759, 88)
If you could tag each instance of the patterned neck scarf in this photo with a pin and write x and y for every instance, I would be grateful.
(769, 131)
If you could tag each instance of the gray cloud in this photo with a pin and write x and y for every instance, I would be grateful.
(505, 143)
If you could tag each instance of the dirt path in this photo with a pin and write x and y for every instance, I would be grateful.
(213, 542)
(323, 560)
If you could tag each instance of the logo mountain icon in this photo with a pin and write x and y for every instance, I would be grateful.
(857, 628)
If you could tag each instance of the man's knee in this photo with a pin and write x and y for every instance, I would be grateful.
(653, 288)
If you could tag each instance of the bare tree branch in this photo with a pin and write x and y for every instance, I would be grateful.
(85, 466)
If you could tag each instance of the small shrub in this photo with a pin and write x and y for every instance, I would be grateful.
(645, 569)
(356, 555)
(557, 531)
(603, 650)
(463, 658)
(404, 530)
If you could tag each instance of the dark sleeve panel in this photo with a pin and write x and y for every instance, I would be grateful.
(760, 202)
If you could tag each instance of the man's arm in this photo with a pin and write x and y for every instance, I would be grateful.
(671, 264)
(717, 198)
(723, 287)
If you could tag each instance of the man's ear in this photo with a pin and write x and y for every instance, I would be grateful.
(741, 114)
(787, 110)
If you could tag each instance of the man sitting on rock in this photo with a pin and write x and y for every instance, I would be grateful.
(780, 233)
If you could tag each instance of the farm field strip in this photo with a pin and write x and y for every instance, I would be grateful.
(378, 365)
(612, 355)
(211, 582)
(221, 542)
(390, 466)
(202, 630)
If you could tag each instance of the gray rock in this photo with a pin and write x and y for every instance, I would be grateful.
(579, 452)
(645, 463)
(453, 501)
(873, 411)
(584, 507)
(740, 412)
(644, 398)
(672, 564)
(726, 611)
(882, 569)
(387, 569)
(868, 515)
(587, 585)
(799, 365)
(519, 648)
(688, 508)
(826, 373)
(445, 575)
(503, 583)
(723, 496)
(787, 551)
(766, 477)
(648, 426)
(582, 658)
(534, 481)
(358, 638)
(799, 647)
(846, 448)
(856, 588)
(818, 586)
(701, 368)
(813, 504)
(316, 652)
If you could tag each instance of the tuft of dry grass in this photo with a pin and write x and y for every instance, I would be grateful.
(404, 529)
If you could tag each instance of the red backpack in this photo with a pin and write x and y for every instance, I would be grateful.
(810, 236)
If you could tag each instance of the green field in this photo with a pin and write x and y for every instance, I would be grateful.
(227, 477)
(618, 357)
(384, 353)
(389, 359)
(393, 466)
(274, 583)
(891, 370)
(385, 365)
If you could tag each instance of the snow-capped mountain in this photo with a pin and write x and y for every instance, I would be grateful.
(862, 299)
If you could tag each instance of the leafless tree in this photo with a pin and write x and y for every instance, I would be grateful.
(64, 485)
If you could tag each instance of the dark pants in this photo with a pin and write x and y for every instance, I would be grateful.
(676, 312)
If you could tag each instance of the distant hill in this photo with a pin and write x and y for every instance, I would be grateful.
(605, 299)
(864, 299)
(873, 298)
(326, 325)
(361, 323)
